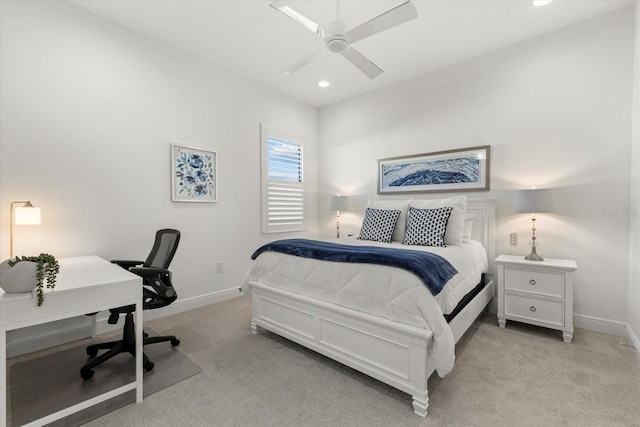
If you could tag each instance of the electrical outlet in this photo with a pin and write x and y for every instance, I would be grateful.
(219, 267)
(514, 238)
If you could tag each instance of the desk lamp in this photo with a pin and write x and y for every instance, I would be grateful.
(27, 214)
(533, 201)
(338, 203)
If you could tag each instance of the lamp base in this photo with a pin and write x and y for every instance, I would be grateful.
(533, 257)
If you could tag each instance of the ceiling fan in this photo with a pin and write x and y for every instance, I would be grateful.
(339, 40)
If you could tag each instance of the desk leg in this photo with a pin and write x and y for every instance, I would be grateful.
(139, 352)
(94, 328)
(3, 376)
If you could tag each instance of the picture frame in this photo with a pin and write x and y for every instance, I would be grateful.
(464, 169)
(194, 174)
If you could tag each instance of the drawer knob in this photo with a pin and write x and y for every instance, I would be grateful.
(532, 282)
(532, 308)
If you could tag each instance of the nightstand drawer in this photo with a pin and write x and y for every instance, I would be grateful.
(538, 282)
(540, 310)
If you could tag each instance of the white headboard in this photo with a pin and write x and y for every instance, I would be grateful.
(484, 226)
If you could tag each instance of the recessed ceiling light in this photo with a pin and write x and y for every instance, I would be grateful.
(539, 3)
(323, 83)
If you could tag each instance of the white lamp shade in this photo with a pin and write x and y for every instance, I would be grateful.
(534, 201)
(27, 215)
(338, 203)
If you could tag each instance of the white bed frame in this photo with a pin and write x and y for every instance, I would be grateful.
(392, 352)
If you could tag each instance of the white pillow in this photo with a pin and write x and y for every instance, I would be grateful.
(401, 224)
(468, 225)
(455, 226)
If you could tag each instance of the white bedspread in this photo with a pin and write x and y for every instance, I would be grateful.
(383, 291)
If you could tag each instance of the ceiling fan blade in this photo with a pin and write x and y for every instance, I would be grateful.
(396, 16)
(304, 61)
(282, 7)
(362, 63)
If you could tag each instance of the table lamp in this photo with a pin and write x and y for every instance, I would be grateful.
(533, 201)
(27, 214)
(338, 203)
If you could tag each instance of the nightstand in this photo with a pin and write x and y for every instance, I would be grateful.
(536, 292)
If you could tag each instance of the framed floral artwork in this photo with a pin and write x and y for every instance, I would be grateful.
(194, 174)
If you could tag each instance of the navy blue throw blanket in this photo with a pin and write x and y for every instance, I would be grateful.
(432, 269)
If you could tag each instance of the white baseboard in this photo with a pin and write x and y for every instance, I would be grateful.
(597, 324)
(633, 341)
(27, 340)
(175, 308)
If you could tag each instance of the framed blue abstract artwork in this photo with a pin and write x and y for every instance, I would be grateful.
(465, 169)
(194, 174)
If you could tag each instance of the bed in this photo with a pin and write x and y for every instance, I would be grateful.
(374, 318)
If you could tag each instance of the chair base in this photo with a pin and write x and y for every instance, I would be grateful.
(126, 345)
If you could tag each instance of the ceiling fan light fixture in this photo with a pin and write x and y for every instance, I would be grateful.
(323, 83)
(337, 45)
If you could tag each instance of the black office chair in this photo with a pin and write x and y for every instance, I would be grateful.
(157, 292)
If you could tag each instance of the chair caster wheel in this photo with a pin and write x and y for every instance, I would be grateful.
(175, 342)
(148, 366)
(93, 352)
(86, 374)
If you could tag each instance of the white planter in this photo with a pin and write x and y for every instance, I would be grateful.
(19, 278)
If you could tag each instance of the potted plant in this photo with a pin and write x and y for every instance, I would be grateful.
(23, 274)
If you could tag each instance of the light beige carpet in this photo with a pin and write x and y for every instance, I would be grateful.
(518, 376)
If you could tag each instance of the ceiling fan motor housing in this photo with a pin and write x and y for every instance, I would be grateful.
(337, 42)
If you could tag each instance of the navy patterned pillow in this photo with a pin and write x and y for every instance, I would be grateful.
(426, 227)
(378, 225)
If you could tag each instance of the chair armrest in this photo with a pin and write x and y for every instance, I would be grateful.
(158, 278)
(149, 271)
(126, 264)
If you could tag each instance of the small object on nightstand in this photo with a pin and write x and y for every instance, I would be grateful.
(536, 292)
(338, 203)
(533, 201)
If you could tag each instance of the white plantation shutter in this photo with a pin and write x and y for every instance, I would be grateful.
(283, 189)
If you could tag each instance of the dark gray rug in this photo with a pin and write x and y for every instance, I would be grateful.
(43, 385)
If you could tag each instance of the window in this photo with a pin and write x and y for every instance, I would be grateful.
(283, 190)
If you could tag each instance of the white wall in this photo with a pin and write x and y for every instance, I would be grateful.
(88, 113)
(634, 253)
(556, 111)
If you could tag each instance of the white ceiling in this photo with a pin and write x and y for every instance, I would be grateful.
(249, 38)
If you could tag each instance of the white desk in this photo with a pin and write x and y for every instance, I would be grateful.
(84, 285)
